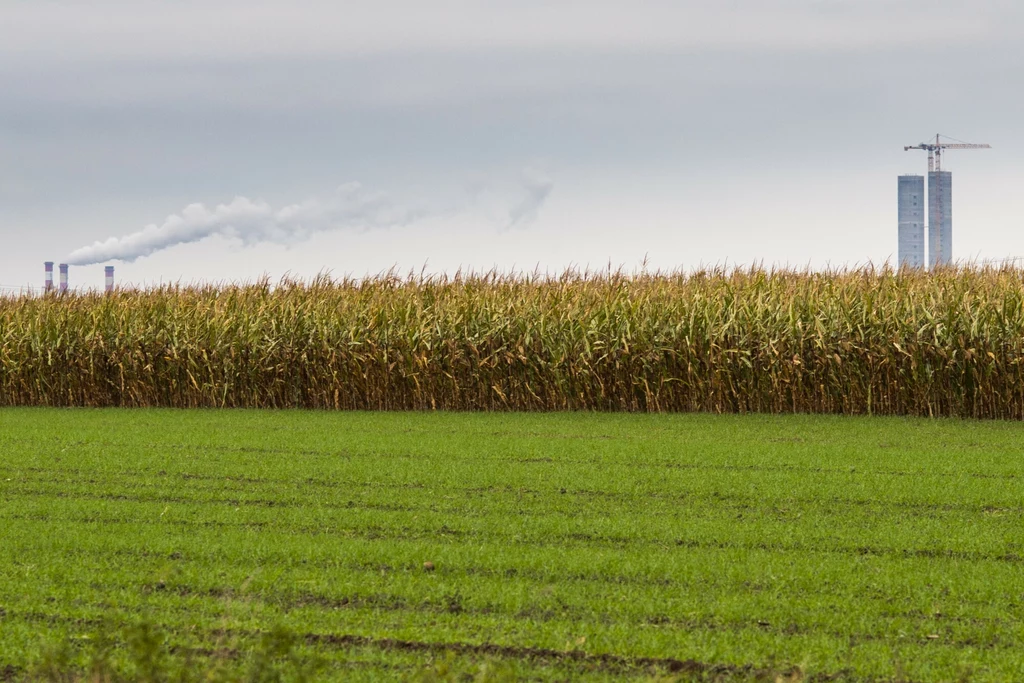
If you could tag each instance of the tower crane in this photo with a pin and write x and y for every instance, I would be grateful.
(940, 201)
(934, 150)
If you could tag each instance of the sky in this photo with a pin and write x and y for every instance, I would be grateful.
(225, 140)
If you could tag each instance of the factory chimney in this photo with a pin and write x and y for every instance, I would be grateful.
(108, 271)
(63, 277)
(48, 283)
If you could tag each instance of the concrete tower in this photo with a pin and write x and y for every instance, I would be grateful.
(48, 282)
(911, 221)
(63, 277)
(940, 199)
(108, 277)
(940, 218)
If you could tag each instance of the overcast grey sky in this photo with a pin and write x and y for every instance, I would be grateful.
(496, 133)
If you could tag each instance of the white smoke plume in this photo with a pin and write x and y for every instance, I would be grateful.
(537, 186)
(253, 222)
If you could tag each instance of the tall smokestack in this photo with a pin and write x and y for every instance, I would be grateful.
(48, 286)
(109, 273)
(63, 277)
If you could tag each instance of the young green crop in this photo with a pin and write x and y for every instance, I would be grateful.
(949, 343)
(567, 545)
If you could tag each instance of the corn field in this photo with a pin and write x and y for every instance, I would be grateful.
(949, 343)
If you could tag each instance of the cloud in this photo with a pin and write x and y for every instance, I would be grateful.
(122, 29)
(537, 187)
(253, 222)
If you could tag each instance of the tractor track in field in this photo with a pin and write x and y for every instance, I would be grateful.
(720, 501)
(232, 502)
(561, 541)
(610, 663)
(601, 661)
(452, 604)
(591, 462)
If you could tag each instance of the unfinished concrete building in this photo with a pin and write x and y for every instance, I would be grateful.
(940, 218)
(940, 201)
(911, 221)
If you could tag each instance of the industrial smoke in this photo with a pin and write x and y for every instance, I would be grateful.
(253, 222)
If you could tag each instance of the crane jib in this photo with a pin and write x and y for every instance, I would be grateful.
(934, 150)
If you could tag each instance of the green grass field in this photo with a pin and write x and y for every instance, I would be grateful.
(565, 546)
